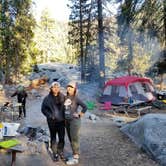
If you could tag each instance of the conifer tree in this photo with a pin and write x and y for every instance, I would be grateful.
(16, 31)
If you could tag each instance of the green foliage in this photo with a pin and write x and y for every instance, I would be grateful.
(16, 33)
(83, 33)
(143, 56)
(113, 50)
(151, 20)
(141, 20)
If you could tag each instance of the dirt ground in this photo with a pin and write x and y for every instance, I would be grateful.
(102, 143)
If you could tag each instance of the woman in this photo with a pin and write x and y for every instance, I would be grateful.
(73, 120)
(52, 108)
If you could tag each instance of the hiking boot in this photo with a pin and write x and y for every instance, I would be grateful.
(72, 161)
(55, 157)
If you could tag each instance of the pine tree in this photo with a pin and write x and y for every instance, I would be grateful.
(83, 32)
(16, 35)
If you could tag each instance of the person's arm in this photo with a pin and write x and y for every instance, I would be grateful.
(62, 100)
(14, 94)
(83, 105)
(26, 94)
(45, 109)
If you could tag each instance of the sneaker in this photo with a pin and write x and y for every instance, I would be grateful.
(19, 118)
(62, 156)
(76, 156)
(55, 157)
(72, 161)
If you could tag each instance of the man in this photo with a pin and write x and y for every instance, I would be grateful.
(21, 98)
(52, 108)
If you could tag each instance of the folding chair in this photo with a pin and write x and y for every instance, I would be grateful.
(106, 106)
(90, 105)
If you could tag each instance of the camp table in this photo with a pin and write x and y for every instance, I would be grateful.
(13, 147)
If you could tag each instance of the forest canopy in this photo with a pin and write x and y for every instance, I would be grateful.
(100, 41)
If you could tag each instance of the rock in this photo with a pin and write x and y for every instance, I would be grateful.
(149, 133)
(91, 116)
(1, 87)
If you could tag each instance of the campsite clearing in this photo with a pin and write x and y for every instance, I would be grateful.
(102, 143)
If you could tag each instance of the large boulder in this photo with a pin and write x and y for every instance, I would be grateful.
(149, 133)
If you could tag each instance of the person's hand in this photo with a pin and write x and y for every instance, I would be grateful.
(53, 118)
(76, 115)
(81, 114)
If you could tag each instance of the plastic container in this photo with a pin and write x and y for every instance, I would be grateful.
(1, 131)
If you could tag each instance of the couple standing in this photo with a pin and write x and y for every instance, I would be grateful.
(62, 112)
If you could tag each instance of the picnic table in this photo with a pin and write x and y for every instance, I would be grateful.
(136, 105)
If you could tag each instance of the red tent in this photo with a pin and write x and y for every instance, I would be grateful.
(118, 89)
(126, 80)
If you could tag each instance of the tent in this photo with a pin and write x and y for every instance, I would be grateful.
(122, 89)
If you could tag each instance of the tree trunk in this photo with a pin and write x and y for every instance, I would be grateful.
(164, 25)
(161, 81)
(130, 50)
(101, 45)
(87, 44)
(81, 44)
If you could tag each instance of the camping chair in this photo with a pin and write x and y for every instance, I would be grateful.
(90, 105)
(106, 106)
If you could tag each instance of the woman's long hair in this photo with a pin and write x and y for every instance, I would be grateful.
(75, 91)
